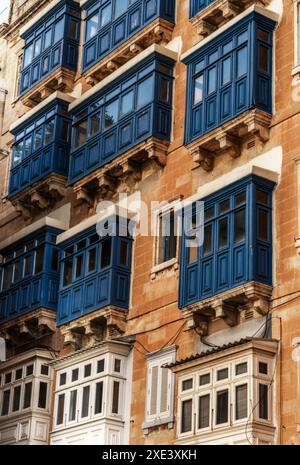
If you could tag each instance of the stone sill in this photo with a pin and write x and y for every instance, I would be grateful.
(158, 269)
(157, 422)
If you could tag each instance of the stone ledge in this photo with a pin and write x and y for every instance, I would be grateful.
(158, 32)
(61, 79)
(220, 12)
(251, 299)
(39, 196)
(123, 172)
(230, 138)
(97, 326)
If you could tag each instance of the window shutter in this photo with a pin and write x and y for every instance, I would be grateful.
(154, 389)
(164, 407)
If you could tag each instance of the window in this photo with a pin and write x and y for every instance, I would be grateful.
(42, 402)
(99, 398)
(85, 401)
(92, 27)
(73, 404)
(222, 406)
(263, 393)
(167, 239)
(60, 409)
(5, 402)
(186, 416)
(59, 30)
(49, 131)
(115, 397)
(145, 92)
(160, 386)
(235, 228)
(27, 395)
(241, 402)
(204, 411)
(16, 399)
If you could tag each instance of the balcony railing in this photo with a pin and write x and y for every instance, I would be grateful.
(29, 275)
(95, 273)
(229, 88)
(112, 24)
(40, 157)
(50, 53)
(130, 116)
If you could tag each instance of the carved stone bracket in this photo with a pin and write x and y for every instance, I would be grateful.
(61, 79)
(96, 327)
(123, 173)
(220, 12)
(229, 306)
(229, 138)
(158, 32)
(40, 195)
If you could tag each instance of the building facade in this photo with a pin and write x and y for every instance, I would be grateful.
(149, 222)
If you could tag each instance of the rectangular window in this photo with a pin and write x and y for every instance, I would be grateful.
(49, 132)
(106, 253)
(67, 276)
(145, 92)
(186, 416)
(75, 374)
(241, 402)
(204, 411)
(85, 401)
(39, 259)
(80, 133)
(99, 397)
(16, 399)
(241, 368)
(72, 405)
(111, 114)
(5, 402)
(92, 27)
(222, 407)
(27, 395)
(60, 409)
(263, 399)
(167, 241)
(115, 397)
(43, 395)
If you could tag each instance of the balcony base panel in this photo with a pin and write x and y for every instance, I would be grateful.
(234, 306)
(60, 80)
(158, 32)
(220, 12)
(88, 330)
(40, 196)
(248, 130)
(121, 174)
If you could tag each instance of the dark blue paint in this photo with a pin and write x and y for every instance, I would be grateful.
(198, 5)
(229, 72)
(97, 288)
(115, 30)
(56, 50)
(150, 119)
(236, 262)
(51, 157)
(36, 289)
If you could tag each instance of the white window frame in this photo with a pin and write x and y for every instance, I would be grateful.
(202, 394)
(297, 36)
(160, 358)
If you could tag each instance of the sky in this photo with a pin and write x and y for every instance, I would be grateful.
(4, 4)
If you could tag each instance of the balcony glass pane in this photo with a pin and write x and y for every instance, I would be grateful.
(241, 402)
(120, 7)
(99, 397)
(37, 47)
(186, 416)
(80, 133)
(49, 131)
(92, 25)
(106, 15)
(85, 401)
(18, 153)
(204, 411)
(198, 90)
(72, 405)
(145, 92)
(59, 30)
(222, 407)
(95, 124)
(48, 38)
(60, 409)
(111, 114)
(28, 53)
(38, 139)
(127, 103)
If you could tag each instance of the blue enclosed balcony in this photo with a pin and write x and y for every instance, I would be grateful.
(30, 279)
(50, 55)
(125, 119)
(40, 155)
(95, 274)
(229, 89)
(117, 30)
(208, 15)
(226, 259)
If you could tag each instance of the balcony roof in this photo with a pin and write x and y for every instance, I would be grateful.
(39, 17)
(164, 51)
(268, 13)
(46, 221)
(30, 114)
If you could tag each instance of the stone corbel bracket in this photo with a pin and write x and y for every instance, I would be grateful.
(229, 138)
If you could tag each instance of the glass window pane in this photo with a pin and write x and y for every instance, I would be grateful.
(224, 206)
(73, 29)
(59, 30)
(145, 92)
(64, 132)
(62, 379)
(207, 244)
(115, 399)
(72, 406)
(54, 260)
(106, 15)
(212, 80)
(28, 55)
(67, 277)
(263, 402)
(100, 366)
(18, 152)
(47, 38)
(7, 378)
(263, 58)
(27, 395)
(99, 397)
(92, 27)
(123, 253)
(111, 114)
(49, 131)
(198, 97)
(193, 252)
(17, 271)
(263, 368)
(75, 374)
(39, 259)
(241, 402)
(263, 233)
(87, 370)
(117, 365)
(242, 62)
(44, 370)
(37, 47)
(120, 7)
(204, 411)
(222, 374)
(95, 124)
(29, 370)
(239, 226)
(241, 368)
(186, 416)
(204, 379)
(127, 103)
(106, 253)
(27, 146)
(7, 276)
(187, 384)
(78, 266)
(222, 407)
(60, 409)
(262, 197)
(5, 402)
(240, 199)
(80, 133)
(85, 401)
(223, 233)
(38, 139)
(19, 373)
(43, 395)
(164, 90)
(16, 399)
(226, 71)
(91, 260)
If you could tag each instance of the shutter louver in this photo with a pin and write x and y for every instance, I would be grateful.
(164, 390)
(154, 388)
